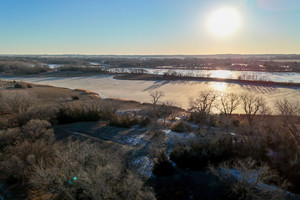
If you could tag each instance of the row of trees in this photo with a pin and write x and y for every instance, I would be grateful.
(229, 62)
(226, 103)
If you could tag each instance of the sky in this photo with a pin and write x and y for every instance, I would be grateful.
(146, 27)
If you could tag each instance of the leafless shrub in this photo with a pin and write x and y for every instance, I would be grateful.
(18, 159)
(37, 129)
(1, 102)
(228, 103)
(109, 108)
(83, 170)
(77, 111)
(182, 127)
(202, 105)
(8, 137)
(86, 110)
(253, 106)
(16, 101)
(34, 130)
(22, 85)
(162, 166)
(46, 113)
(246, 179)
(156, 96)
(289, 115)
(287, 108)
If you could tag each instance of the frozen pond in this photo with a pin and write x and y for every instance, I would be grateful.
(244, 75)
(227, 74)
(178, 92)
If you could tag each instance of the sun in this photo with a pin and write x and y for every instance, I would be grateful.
(224, 21)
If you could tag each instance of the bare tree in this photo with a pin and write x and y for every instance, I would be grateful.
(289, 114)
(287, 108)
(16, 102)
(228, 103)
(203, 103)
(253, 106)
(156, 95)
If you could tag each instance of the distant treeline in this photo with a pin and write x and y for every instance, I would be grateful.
(21, 67)
(84, 69)
(39, 64)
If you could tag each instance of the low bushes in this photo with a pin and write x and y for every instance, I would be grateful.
(34, 130)
(162, 167)
(23, 147)
(284, 153)
(213, 149)
(16, 101)
(84, 111)
(123, 122)
(247, 179)
(65, 115)
(199, 154)
(41, 168)
(8, 137)
(37, 130)
(144, 121)
(84, 171)
(75, 98)
(182, 127)
(46, 113)
(22, 85)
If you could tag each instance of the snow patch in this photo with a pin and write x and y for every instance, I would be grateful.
(144, 165)
(173, 137)
(133, 141)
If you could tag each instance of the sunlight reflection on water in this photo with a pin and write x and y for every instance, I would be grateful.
(221, 74)
(219, 86)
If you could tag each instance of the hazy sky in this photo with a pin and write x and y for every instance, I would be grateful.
(145, 27)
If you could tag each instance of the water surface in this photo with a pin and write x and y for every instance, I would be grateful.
(178, 92)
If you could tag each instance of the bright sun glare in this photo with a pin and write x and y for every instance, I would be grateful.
(221, 74)
(224, 21)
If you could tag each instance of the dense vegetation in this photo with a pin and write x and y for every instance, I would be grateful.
(37, 165)
(249, 157)
(225, 156)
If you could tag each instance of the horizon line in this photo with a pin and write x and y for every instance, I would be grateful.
(224, 54)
